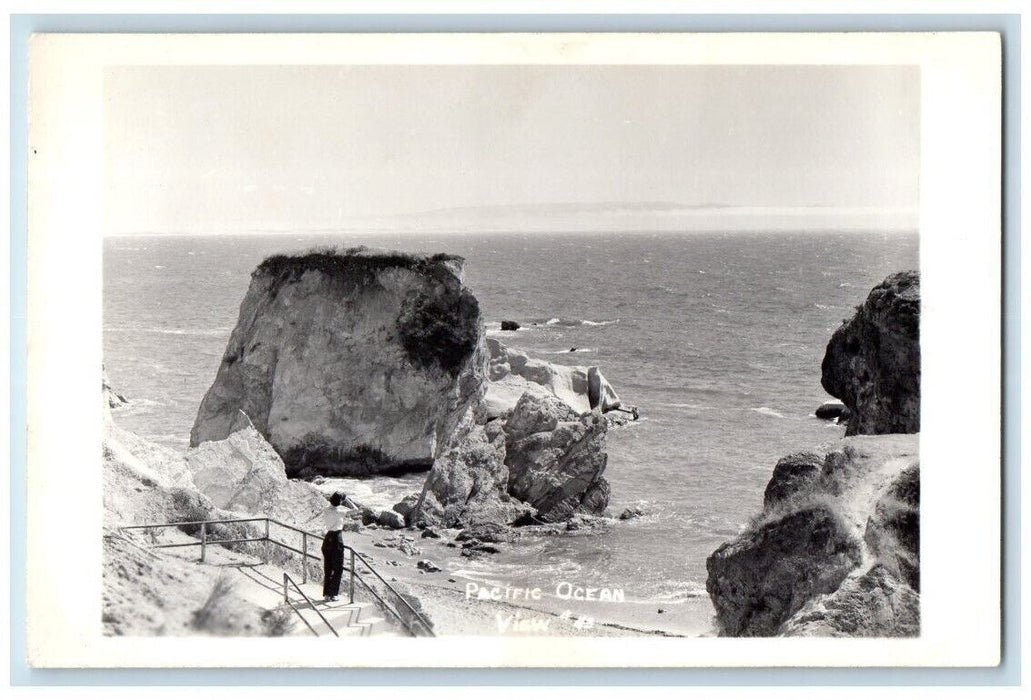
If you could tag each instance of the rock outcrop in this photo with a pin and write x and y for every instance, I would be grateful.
(243, 473)
(792, 474)
(469, 481)
(512, 373)
(872, 361)
(893, 530)
(543, 464)
(760, 580)
(868, 604)
(239, 476)
(351, 362)
(555, 458)
(835, 551)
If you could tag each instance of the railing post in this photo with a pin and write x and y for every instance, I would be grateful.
(304, 557)
(286, 597)
(350, 595)
(203, 540)
(267, 544)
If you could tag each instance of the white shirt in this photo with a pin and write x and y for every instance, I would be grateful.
(333, 517)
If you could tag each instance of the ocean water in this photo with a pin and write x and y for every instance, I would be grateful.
(718, 338)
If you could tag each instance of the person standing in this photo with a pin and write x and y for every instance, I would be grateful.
(333, 545)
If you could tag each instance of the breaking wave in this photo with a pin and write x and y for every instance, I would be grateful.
(570, 323)
(204, 332)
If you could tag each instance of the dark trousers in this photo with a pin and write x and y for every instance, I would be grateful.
(332, 563)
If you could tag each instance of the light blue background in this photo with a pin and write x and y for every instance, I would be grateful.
(1008, 673)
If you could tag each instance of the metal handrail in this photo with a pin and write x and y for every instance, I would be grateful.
(354, 553)
(418, 616)
(423, 622)
(193, 522)
(286, 598)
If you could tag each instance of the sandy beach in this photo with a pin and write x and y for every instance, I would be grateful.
(458, 603)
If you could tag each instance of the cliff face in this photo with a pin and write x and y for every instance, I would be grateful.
(872, 362)
(832, 554)
(350, 362)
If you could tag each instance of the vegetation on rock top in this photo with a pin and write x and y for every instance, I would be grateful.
(348, 263)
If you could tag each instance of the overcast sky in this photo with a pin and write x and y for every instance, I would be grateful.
(213, 149)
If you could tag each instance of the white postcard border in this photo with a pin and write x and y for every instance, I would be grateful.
(960, 324)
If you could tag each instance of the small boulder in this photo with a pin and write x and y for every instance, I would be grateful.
(410, 549)
(391, 519)
(427, 566)
(369, 516)
(587, 523)
(486, 532)
(430, 532)
(833, 410)
(509, 326)
(486, 548)
(631, 513)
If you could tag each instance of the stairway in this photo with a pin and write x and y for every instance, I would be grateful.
(261, 584)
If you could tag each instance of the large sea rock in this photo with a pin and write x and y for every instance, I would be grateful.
(351, 362)
(872, 362)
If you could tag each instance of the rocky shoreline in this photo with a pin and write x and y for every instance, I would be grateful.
(242, 476)
(835, 550)
(359, 362)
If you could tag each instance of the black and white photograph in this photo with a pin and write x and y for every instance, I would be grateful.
(511, 349)
(558, 350)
